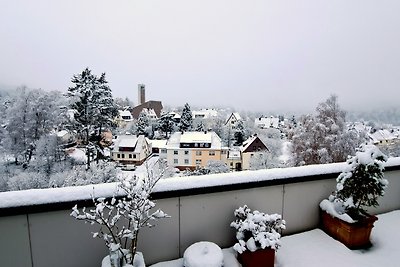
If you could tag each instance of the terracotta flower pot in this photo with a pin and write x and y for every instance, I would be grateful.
(353, 235)
(259, 258)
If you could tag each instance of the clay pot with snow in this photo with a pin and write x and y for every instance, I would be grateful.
(344, 214)
(354, 235)
(258, 236)
(203, 254)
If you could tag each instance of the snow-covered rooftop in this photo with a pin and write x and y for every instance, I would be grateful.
(204, 113)
(159, 143)
(125, 113)
(382, 135)
(129, 141)
(234, 154)
(62, 133)
(269, 122)
(195, 137)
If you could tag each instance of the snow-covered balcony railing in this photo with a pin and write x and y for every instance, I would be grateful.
(201, 208)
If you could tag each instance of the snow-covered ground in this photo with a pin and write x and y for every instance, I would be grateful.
(315, 249)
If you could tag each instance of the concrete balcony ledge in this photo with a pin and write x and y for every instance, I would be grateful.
(201, 209)
(39, 200)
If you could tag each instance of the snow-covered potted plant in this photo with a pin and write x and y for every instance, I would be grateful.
(120, 219)
(258, 236)
(344, 214)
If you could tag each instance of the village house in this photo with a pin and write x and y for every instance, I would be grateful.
(159, 148)
(382, 137)
(204, 113)
(233, 119)
(124, 117)
(253, 147)
(131, 149)
(234, 160)
(189, 150)
(267, 122)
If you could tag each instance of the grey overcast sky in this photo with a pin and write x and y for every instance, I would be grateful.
(257, 55)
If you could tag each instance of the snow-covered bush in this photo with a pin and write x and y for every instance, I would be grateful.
(101, 172)
(361, 186)
(216, 166)
(120, 219)
(257, 230)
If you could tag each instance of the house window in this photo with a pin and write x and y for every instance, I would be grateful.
(251, 155)
(134, 156)
(123, 156)
(198, 153)
(175, 152)
(231, 163)
(211, 153)
(186, 152)
(175, 161)
(130, 156)
(198, 161)
(118, 155)
(186, 161)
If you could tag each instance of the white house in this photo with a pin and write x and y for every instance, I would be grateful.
(189, 150)
(159, 147)
(204, 114)
(382, 137)
(267, 122)
(131, 149)
(124, 117)
(252, 147)
(234, 160)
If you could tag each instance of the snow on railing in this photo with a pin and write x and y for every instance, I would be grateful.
(80, 193)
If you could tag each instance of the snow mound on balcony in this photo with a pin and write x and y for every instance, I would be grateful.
(203, 254)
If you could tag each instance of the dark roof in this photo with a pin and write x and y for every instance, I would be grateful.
(156, 105)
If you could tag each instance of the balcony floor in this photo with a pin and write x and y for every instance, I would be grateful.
(315, 248)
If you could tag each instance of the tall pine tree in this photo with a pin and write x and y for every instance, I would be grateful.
(91, 100)
(186, 122)
(142, 124)
(166, 123)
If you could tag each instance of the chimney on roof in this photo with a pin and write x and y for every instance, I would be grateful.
(141, 94)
